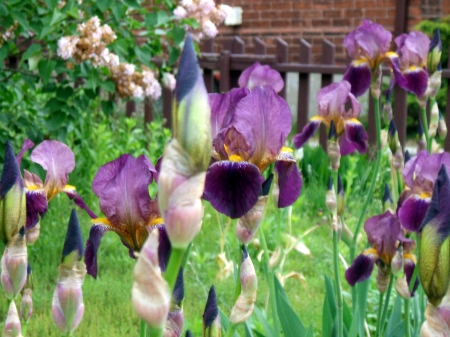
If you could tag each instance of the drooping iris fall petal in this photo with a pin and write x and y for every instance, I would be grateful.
(258, 74)
(289, 182)
(361, 268)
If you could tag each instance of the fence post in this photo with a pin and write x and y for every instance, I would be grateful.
(224, 71)
(238, 47)
(282, 55)
(167, 107)
(148, 110)
(130, 108)
(304, 80)
(208, 77)
(260, 46)
(328, 51)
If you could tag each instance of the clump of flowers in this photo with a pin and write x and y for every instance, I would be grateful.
(8, 34)
(91, 45)
(207, 14)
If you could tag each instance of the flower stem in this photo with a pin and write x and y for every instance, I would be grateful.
(407, 318)
(373, 182)
(338, 283)
(24, 329)
(155, 332)
(386, 305)
(237, 289)
(425, 128)
(231, 329)
(143, 328)
(173, 267)
(380, 307)
(270, 281)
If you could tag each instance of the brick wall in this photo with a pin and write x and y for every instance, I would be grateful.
(314, 20)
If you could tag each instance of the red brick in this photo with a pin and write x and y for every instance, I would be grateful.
(290, 15)
(332, 13)
(355, 12)
(342, 22)
(311, 14)
(320, 22)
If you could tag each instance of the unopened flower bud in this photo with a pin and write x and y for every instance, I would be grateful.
(14, 265)
(26, 306)
(375, 86)
(407, 157)
(275, 259)
(435, 325)
(401, 285)
(435, 52)
(387, 198)
(188, 333)
(334, 154)
(340, 197)
(174, 323)
(434, 82)
(247, 225)
(33, 234)
(442, 127)
(151, 293)
(393, 137)
(12, 325)
(387, 107)
(397, 262)
(330, 198)
(211, 318)
(245, 303)
(421, 141)
(434, 120)
(397, 160)
(383, 277)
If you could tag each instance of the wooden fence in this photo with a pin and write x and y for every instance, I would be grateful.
(233, 60)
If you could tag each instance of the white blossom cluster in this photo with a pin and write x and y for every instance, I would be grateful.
(91, 44)
(8, 34)
(208, 15)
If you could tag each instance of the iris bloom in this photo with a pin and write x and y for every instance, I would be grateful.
(410, 63)
(420, 173)
(58, 160)
(261, 75)
(367, 45)
(122, 188)
(249, 129)
(331, 105)
(385, 234)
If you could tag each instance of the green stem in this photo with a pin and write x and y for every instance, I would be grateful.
(394, 177)
(416, 267)
(155, 332)
(237, 289)
(373, 182)
(270, 281)
(380, 306)
(386, 305)
(173, 267)
(425, 128)
(407, 318)
(24, 329)
(231, 329)
(186, 255)
(338, 283)
(400, 182)
(143, 329)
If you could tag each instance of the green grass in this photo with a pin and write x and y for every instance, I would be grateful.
(108, 309)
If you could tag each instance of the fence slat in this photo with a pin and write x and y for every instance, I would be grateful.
(130, 107)
(328, 53)
(208, 77)
(304, 80)
(260, 46)
(400, 110)
(167, 107)
(282, 57)
(224, 71)
(238, 47)
(148, 110)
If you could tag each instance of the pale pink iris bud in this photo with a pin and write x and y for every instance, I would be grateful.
(14, 266)
(402, 287)
(375, 86)
(174, 323)
(434, 120)
(383, 278)
(397, 262)
(330, 198)
(434, 83)
(12, 325)
(398, 160)
(33, 234)
(334, 153)
(26, 306)
(151, 293)
(245, 303)
(435, 324)
(247, 225)
(67, 304)
(442, 127)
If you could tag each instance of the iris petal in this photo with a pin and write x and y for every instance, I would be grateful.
(360, 270)
(359, 76)
(233, 187)
(90, 254)
(289, 181)
(308, 131)
(412, 212)
(356, 135)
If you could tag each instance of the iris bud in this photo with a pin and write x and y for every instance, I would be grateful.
(211, 318)
(402, 287)
(397, 262)
(333, 148)
(435, 325)
(442, 127)
(383, 277)
(14, 265)
(387, 198)
(434, 120)
(247, 225)
(12, 325)
(393, 137)
(375, 86)
(435, 52)
(26, 306)
(421, 142)
(340, 197)
(330, 197)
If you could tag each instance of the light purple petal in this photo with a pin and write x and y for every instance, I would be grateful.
(360, 270)
(412, 212)
(383, 231)
(264, 119)
(359, 77)
(308, 131)
(58, 160)
(331, 99)
(289, 181)
(122, 188)
(257, 75)
(413, 49)
(27, 144)
(90, 254)
(356, 135)
(230, 142)
(233, 187)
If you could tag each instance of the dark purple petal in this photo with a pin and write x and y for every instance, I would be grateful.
(359, 76)
(90, 254)
(415, 81)
(289, 181)
(383, 231)
(412, 212)
(356, 135)
(211, 309)
(258, 75)
(58, 160)
(360, 270)
(408, 268)
(233, 187)
(27, 144)
(37, 206)
(164, 247)
(74, 239)
(73, 195)
(188, 72)
(308, 131)
(265, 120)
(122, 188)
(11, 171)
(178, 291)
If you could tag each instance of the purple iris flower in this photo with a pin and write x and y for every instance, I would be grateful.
(384, 234)
(258, 74)
(249, 129)
(331, 106)
(367, 46)
(420, 173)
(410, 62)
(122, 188)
